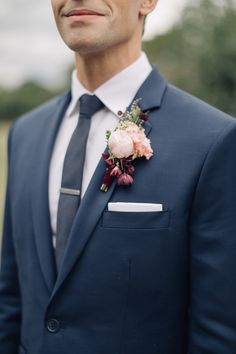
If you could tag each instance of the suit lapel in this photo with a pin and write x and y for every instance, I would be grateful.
(40, 206)
(94, 201)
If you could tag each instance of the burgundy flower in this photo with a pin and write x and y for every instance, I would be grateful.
(116, 171)
(127, 161)
(108, 161)
(125, 179)
(105, 155)
(143, 116)
(130, 169)
(107, 179)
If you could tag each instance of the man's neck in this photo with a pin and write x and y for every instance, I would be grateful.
(95, 69)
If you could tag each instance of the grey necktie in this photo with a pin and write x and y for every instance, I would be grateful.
(70, 193)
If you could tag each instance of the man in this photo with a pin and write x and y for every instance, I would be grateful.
(89, 272)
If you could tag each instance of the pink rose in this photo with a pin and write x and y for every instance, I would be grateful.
(121, 144)
(142, 146)
(143, 149)
(133, 131)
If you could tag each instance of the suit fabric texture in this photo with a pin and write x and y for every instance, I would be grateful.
(130, 283)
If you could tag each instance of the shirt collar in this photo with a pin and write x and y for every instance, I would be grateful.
(118, 92)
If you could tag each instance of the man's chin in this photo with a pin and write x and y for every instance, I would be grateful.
(85, 47)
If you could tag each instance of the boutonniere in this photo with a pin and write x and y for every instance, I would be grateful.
(127, 143)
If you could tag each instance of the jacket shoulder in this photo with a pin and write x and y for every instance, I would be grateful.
(40, 114)
(190, 124)
(192, 110)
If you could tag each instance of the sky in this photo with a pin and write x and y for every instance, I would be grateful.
(31, 49)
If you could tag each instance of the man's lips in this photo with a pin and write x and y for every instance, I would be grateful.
(82, 12)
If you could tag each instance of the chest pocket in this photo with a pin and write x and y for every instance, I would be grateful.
(136, 220)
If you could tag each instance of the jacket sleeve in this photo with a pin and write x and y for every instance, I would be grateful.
(212, 313)
(10, 304)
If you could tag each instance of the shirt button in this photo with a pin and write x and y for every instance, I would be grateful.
(53, 325)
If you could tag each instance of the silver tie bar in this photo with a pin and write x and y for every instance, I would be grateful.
(70, 191)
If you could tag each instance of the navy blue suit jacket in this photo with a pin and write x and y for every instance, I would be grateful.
(130, 283)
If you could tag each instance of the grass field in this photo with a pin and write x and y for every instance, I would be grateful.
(3, 167)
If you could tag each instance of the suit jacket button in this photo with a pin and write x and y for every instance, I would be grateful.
(53, 325)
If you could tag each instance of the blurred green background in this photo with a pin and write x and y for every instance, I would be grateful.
(198, 55)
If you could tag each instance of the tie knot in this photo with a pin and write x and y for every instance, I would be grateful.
(89, 105)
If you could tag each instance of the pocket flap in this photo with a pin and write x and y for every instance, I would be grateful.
(136, 220)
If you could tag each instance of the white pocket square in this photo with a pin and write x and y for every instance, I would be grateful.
(134, 207)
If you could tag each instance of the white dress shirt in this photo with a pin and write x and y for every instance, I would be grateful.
(116, 94)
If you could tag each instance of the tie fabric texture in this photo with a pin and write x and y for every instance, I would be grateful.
(72, 175)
